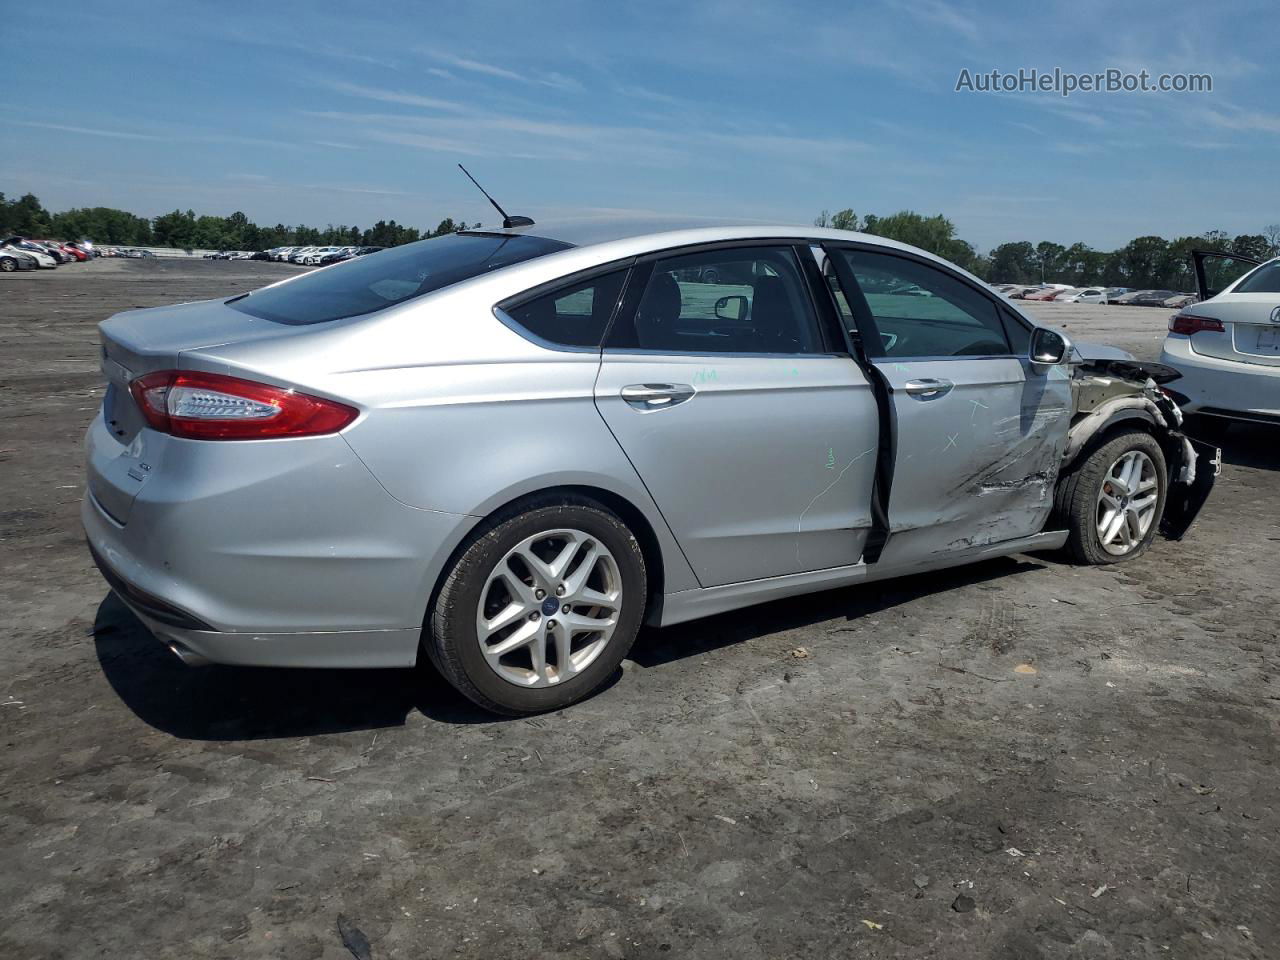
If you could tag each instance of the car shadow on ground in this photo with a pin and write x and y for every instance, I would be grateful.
(654, 647)
(1251, 445)
(256, 703)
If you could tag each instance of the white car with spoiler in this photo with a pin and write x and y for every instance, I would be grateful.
(1227, 347)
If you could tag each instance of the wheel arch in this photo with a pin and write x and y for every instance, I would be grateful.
(1091, 431)
(651, 547)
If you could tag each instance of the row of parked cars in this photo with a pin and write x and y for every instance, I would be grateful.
(128, 253)
(23, 253)
(313, 256)
(1065, 293)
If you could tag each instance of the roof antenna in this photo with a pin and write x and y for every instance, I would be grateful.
(507, 221)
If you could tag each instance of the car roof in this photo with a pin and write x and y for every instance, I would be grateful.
(660, 232)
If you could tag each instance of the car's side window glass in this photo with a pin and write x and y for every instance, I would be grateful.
(1266, 279)
(574, 315)
(922, 311)
(741, 300)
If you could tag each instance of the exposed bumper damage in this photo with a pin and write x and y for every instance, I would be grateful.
(1107, 391)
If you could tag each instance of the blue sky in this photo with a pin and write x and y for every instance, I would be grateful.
(353, 112)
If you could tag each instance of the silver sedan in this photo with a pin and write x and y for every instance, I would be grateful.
(511, 448)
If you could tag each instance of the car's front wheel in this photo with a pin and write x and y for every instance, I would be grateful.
(540, 608)
(1113, 499)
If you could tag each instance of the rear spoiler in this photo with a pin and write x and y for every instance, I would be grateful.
(1198, 258)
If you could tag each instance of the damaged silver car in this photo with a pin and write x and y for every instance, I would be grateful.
(507, 449)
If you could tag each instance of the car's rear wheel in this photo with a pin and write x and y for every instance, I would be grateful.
(1112, 500)
(540, 608)
(8, 264)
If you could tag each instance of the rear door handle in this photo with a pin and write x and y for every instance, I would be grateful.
(928, 388)
(656, 396)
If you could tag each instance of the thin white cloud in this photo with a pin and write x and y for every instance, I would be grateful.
(1231, 117)
(553, 79)
(395, 96)
(174, 137)
(87, 131)
(476, 66)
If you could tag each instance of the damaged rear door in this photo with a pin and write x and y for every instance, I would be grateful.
(978, 431)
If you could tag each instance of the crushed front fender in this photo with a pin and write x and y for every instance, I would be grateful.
(1108, 392)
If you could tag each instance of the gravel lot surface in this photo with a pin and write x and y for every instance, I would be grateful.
(1017, 759)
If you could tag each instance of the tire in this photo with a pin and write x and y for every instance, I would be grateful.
(490, 570)
(1079, 505)
(8, 264)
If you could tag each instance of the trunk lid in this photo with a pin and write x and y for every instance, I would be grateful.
(1249, 335)
(121, 455)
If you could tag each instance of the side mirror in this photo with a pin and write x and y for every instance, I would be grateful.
(1049, 347)
(732, 308)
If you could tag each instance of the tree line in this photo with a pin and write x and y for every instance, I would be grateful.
(1143, 263)
(183, 229)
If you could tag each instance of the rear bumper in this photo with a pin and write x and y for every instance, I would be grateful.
(1222, 387)
(196, 645)
(269, 554)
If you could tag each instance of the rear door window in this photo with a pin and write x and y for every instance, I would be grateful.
(751, 299)
(380, 280)
(575, 315)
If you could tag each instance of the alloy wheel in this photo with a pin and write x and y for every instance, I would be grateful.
(548, 608)
(1126, 504)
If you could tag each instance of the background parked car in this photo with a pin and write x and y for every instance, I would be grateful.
(1084, 295)
(336, 256)
(1181, 300)
(73, 252)
(313, 258)
(1126, 299)
(1047, 293)
(12, 260)
(1152, 298)
(44, 259)
(1227, 346)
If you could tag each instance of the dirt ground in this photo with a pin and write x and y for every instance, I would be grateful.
(1018, 759)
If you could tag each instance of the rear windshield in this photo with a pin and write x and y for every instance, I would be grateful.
(380, 280)
(1266, 279)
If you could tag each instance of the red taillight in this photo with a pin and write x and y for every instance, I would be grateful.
(1189, 323)
(210, 406)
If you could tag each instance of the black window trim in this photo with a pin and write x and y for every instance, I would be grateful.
(501, 308)
(871, 336)
(639, 279)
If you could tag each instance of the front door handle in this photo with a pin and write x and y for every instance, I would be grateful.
(928, 389)
(656, 396)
